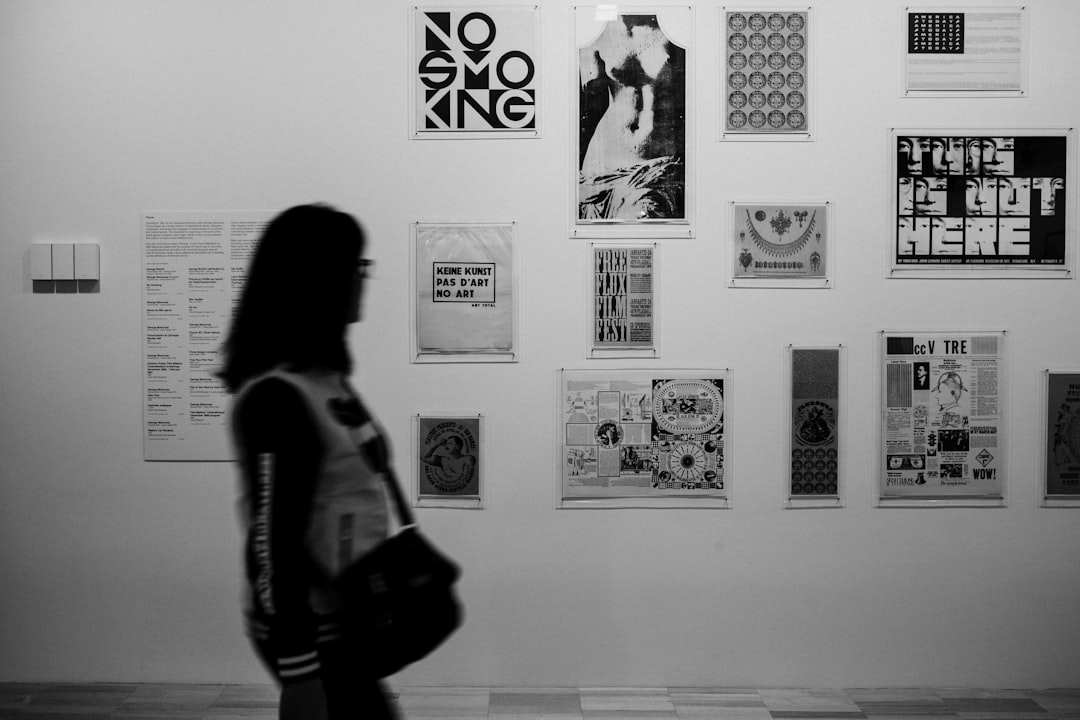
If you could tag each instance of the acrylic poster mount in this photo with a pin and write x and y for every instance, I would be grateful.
(1059, 459)
(465, 300)
(475, 72)
(942, 424)
(814, 477)
(448, 461)
(782, 244)
(964, 52)
(981, 203)
(623, 296)
(766, 74)
(632, 159)
(658, 438)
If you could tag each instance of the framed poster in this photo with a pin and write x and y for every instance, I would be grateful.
(942, 418)
(475, 72)
(1061, 439)
(464, 292)
(813, 476)
(981, 203)
(644, 438)
(447, 453)
(964, 51)
(623, 295)
(765, 71)
(781, 244)
(632, 69)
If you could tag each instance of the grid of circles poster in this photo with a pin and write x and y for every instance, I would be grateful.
(765, 72)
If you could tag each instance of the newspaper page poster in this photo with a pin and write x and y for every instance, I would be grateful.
(623, 299)
(1063, 441)
(965, 50)
(194, 265)
(978, 201)
(448, 457)
(465, 288)
(780, 241)
(815, 414)
(942, 416)
(643, 434)
(632, 114)
(766, 71)
(476, 71)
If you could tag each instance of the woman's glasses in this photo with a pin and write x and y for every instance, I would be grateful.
(364, 267)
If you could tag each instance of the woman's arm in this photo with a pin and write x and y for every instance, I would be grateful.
(283, 455)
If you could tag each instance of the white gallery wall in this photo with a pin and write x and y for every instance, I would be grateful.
(113, 568)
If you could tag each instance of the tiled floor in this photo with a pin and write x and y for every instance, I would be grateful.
(258, 702)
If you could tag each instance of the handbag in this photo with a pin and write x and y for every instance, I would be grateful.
(399, 599)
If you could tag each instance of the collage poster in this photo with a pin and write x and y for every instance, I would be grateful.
(623, 300)
(632, 115)
(815, 413)
(464, 288)
(983, 201)
(1063, 441)
(477, 72)
(448, 457)
(766, 72)
(780, 241)
(642, 434)
(942, 416)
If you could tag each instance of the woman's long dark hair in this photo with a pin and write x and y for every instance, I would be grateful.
(296, 300)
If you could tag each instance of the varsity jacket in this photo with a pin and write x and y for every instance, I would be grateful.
(312, 500)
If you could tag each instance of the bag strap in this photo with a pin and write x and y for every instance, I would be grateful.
(405, 514)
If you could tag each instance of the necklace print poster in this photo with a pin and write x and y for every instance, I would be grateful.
(785, 242)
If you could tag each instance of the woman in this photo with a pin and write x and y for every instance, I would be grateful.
(311, 458)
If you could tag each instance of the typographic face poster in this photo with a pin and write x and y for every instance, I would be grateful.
(465, 288)
(964, 50)
(623, 299)
(765, 72)
(643, 434)
(968, 201)
(773, 241)
(448, 457)
(1063, 434)
(942, 415)
(476, 71)
(815, 414)
(632, 115)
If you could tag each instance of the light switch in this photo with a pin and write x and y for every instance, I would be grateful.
(41, 262)
(87, 261)
(63, 261)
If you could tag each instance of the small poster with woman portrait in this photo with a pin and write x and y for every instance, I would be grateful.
(447, 461)
(981, 203)
(632, 113)
(1061, 455)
